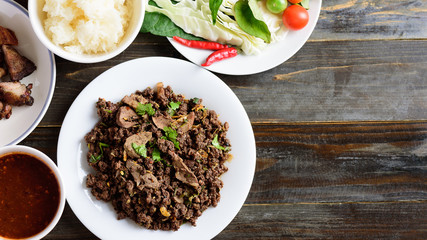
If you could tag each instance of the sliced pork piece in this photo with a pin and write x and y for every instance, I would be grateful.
(162, 121)
(1, 57)
(138, 139)
(182, 172)
(133, 100)
(126, 117)
(16, 93)
(5, 110)
(188, 123)
(147, 179)
(7, 36)
(161, 96)
(18, 66)
(2, 72)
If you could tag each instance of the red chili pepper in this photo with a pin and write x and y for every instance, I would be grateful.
(220, 55)
(200, 44)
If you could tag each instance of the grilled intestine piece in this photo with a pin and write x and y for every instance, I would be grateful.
(2, 72)
(18, 66)
(7, 36)
(5, 110)
(16, 93)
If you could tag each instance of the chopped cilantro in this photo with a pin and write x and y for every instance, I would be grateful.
(93, 158)
(215, 143)
(156, 155)
(108, 110)
(166, 163)
(172, 107)
(171, 135)
(196, 100)
(101, 145)
(141, 149)
(143, 109)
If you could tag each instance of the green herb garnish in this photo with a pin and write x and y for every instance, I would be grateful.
(172, 107)
(171, 135)
(102, 145)
(143, 109)
(215, 143)
(156, 155)
(93, 158)
(196, 100)
(141, 149)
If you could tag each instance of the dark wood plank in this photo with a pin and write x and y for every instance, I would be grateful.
(324, 81)
(358, 19)
(44, 139)
(70, 227)
(340, 81)
(400, 220)
(340, 162)
(383, 220)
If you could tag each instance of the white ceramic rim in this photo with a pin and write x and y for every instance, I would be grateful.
(38, 29)
(51, 86)
(49, 162)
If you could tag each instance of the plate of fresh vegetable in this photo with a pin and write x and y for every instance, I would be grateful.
(235, 37)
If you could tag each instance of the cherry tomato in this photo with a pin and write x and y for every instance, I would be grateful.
(295, 17)
(294, 1)
(276, 6)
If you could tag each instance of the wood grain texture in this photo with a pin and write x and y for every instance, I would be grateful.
(404, 220)
(340, 162)
(377, 19)
(340, 81)
(324, 81)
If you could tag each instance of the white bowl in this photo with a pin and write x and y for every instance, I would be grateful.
(45, 159)
(35, 9)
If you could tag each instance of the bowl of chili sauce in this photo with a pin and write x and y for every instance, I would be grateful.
(32, 196)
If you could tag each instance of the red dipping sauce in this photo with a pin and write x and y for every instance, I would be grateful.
(29, 195)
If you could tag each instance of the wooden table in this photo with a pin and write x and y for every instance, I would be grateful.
(340, 128)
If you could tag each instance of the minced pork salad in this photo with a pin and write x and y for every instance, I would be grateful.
(158, 157)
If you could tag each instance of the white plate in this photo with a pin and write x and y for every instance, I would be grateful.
(270, 57)
(185, 78)
(25, 118)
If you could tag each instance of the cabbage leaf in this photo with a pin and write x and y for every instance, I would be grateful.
(195, 18)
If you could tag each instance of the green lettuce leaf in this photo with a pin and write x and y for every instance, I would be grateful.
(214, 7)
(248, 23)
(160, 25)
